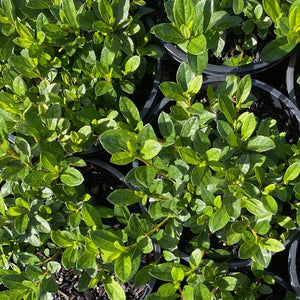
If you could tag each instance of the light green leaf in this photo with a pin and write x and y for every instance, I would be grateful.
(113, 288)
(227, 108)
(244, 89)
(70, 13)
(71, 177)
(292, 172)
(91, 216)
(172, 91)
(184, 12)
(218, 220)
(189, 156)
(150, 149)
(168, 33)
(129, 111)
(272, 245)
(260, 144)
(132, 64)
(19, 86)
(197, 45)
(123, 266)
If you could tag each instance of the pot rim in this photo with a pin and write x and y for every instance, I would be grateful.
(218, 70)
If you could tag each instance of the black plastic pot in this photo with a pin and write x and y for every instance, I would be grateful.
(218, 70)
(292, 266)
(292, 73)
(116, 173)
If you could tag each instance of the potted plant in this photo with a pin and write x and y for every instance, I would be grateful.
(234, 34)
(215, 171)
(76, 59)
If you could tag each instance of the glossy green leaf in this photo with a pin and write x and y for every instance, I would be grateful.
(168, 33)
(198, 62)
(123, 158)
(272, 8)
(272, 245)
(129, 111)
(21, 223)
(124, 197)
(189, 156)
(218, 220)
(227, 108)
(270, 204)
(86, 260)
(69, 258)
(197, 45)
(260, 143)
(70, 13)
(71, 177)
(276, 49)
(19, 86)
(150, 149)
(172, 91)
(248, 249)
(62, 239)
(166, 126)
(132, 64)
(91, 216)
(105, 10)
(255, 207)
(184, 12)
(292, 172)
(113, 288)
(123, 266)
(249, 125)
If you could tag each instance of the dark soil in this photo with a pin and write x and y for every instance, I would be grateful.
(68, 288)
(233, 39)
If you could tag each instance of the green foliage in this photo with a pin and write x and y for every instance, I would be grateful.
(203, 27)
(219, 172)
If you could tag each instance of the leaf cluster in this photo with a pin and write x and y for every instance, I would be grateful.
(202, 28)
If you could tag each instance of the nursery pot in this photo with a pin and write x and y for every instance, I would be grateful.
(218, 70)
(280, 105)
(271, 97)
(144, 112)
(293, 268)
(292, 73)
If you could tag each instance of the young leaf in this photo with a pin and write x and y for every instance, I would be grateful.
(150, 149)
(70, 13)
(106, 11)
(184, 12)
(218, 220)
(292, 172)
